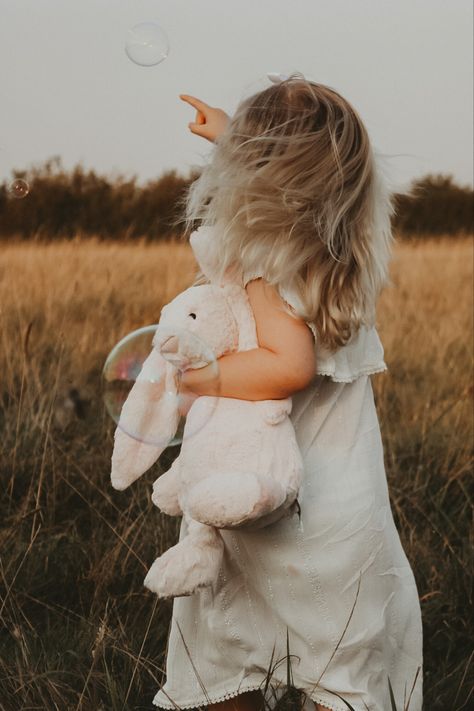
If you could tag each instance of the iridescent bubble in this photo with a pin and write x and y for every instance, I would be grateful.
(147, 44)
(18, 188)
(141, 385)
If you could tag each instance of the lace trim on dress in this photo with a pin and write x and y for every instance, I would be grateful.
(333, 706)
(363, 355)
(249, 276)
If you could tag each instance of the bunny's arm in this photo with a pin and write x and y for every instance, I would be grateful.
(283, 363)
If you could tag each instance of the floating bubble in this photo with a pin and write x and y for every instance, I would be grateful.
(141, 381)
(147, 44)
(19, 188)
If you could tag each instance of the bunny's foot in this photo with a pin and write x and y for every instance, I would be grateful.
(192, 563)
(229, 500)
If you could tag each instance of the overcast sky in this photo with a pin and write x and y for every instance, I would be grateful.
(67, 87)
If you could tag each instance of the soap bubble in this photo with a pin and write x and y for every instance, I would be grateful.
(19, 188)
(147, 44)
(135, 363)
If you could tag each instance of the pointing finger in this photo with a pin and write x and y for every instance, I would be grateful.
(196, 103)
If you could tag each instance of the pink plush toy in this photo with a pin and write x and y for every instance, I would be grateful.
(239, 464)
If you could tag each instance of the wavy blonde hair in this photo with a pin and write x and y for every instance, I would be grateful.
(294, 190)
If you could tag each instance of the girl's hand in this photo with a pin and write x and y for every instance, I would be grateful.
(200, 381)
(210, 122)
(196, 382)
(185, 399)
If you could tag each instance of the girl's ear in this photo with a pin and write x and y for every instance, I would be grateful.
(148, 421)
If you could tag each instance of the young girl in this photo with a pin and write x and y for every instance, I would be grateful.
(294, 197)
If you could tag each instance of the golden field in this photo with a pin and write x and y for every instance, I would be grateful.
(79, 629)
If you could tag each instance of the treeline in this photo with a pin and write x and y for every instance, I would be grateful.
(66, 204)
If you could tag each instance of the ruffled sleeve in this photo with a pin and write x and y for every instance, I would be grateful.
(363, 355)
(248, 276)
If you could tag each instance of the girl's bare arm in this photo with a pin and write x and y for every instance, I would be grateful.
(283, 363)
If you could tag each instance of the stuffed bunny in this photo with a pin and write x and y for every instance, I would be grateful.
(239, 464)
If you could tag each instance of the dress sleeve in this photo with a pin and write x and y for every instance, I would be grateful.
(363, 355)
(248, 276)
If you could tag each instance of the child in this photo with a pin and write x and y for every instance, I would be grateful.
(294, 197)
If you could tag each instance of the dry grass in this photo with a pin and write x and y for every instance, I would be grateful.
(80, 630)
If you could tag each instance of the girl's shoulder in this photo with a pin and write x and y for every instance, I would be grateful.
(362, 355)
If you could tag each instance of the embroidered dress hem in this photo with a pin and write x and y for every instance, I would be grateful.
(327, 699)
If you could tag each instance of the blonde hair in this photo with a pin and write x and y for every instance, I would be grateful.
(295, 194)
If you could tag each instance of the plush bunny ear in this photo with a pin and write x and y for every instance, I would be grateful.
(151, 414)
(204, 253)
(203, 244)
(242, 311)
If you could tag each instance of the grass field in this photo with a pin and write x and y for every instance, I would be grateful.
(79, 630)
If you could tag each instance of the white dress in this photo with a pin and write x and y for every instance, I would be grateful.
(302, 575)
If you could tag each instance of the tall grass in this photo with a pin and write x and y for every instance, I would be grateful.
(79, 630)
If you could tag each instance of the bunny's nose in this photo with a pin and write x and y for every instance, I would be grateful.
(170, 345)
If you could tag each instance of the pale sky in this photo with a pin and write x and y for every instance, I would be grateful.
(67, 87)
